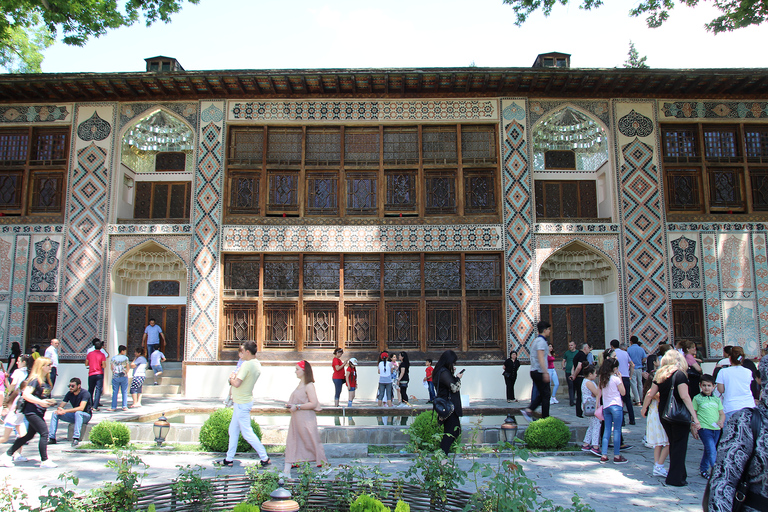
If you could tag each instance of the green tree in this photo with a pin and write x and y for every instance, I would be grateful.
(77, 20)
(633, 59)
(735, 13)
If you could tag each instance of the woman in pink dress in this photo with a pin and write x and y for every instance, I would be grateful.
(303, 441)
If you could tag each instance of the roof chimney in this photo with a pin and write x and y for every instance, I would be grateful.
(161, 64)
(553, 60)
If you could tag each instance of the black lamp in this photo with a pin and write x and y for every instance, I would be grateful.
(509, 429)
(160, 429)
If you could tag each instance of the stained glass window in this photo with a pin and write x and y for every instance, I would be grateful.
(440, 189)
(322, 193)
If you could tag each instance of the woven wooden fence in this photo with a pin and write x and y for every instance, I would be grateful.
(231, 490)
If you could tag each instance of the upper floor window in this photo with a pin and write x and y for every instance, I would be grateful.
(33, 164)
(370, 171)
(158, 142)
(714, 168)
(569, 139)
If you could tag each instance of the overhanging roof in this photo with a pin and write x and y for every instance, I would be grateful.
(387, 83)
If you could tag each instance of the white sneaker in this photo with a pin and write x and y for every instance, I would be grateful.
(48, 464)
(402, 404)
(19, 458)
(660, 471)
(6, 461)
(554, 400)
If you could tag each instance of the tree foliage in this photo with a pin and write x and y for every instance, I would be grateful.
(29, 26)
(634, 60)
(735, 13)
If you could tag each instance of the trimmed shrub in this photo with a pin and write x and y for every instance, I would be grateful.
(110, 434)
(366, 503)
(547, 434)
(245, 507)
(402, 507)
(214, 434)
(422, 432)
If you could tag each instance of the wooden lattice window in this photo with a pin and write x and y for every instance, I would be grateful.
(11, 188)
(361, 325)
(726, 189)
(485, 325)
(162, 200)
(47, 192)
(41, 325)
(401, 191)
(721, 144)
(402, 324)
(439, 144)
(281, 273)
(280, 325)
(402, 275)
(482, 274)
(756, 138)
(14, 146)
(321, 323)
(283, 192)
(362, 273)
(479, 192)
(680, 144)
(49, 147)
(684, 190)
(284, 146)
(566, 199)
(322, 193)
(244, 188)
(759, 182)
(246, 146)
(171, 161)
(361, 146)
(440, 191)
(478, 144)
(566, 287)
(443, 325)
(442, 274)
(321, 272)
(323, 146)
(401, 146)
(241, 273)
(163, 288)
(560, 159)
(361, 193)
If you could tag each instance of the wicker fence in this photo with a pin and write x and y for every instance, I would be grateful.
(231, 490)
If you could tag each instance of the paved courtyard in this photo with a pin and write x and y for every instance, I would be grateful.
(607, 487)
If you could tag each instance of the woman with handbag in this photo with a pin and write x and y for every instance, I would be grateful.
(448, 402)
(742, 459)
(511, 365)
(676, 411)
(694, 369)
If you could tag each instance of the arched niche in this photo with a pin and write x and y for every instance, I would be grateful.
(571, 167)
(148, 263)
(578, 294)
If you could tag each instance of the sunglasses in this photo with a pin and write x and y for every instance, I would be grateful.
(72, 386)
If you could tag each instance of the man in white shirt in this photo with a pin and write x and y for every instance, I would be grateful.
(626, 367)
(52, 353)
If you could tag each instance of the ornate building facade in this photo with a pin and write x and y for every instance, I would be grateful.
(415, 210)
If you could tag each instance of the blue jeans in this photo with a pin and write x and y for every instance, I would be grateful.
(613, 416)
(431, 388)
(150, 349)
(120, 384)
(338, 383)
(709, 438)
(554, 380)
(79, 418)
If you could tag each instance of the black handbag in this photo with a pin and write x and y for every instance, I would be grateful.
(443, 406)
(675, 410)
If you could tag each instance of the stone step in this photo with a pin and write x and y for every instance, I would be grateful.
(164, 381)
(167, 372)
(164, 389)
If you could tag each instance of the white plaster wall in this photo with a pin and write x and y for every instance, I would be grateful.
(67, 371)
(277, 382)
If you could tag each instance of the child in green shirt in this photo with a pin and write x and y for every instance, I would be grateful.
(709, 409)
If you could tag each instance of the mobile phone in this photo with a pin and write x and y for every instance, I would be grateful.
(462, 372)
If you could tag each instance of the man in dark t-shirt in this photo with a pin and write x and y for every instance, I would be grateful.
(580, 362)
(79, 413)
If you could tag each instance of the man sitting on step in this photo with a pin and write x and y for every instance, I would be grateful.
(79, 413)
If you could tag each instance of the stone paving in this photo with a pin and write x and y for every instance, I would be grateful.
(607, 487)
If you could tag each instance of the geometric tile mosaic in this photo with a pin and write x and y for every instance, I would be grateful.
(605, 245)
(712, 306)
(45, 266)
(760, 259)
(684, 266)
(740, 326)
(599, 109)
(735, 264)
(137, 229)
(186, 110)
(465, 237)
(35, 113)
(18, 290)
(361, 110)
(715, 109)
(554, 227)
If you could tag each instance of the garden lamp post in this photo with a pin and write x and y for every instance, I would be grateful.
(509, 429)
(160, 429)
(281, 500)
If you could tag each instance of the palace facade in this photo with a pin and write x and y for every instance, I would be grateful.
(417, 210)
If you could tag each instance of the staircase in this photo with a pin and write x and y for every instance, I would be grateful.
(168, 384)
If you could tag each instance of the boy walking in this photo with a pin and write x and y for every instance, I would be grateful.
(709, 409)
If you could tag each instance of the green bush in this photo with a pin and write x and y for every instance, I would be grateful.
(547, 434)
(110, 434)
(214, 434)
(423, 432)
(365, 503)
(245, 507)
(402, 507)
(264, 482)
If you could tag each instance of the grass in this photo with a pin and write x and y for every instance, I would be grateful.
(382, 449)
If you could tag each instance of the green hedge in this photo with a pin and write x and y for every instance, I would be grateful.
(110, 434)
(214, 434)
(422, 432)
(366, 503)
(547, 434)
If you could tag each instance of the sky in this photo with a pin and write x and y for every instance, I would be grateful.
(296, 34)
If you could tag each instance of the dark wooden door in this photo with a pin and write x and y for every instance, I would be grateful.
(579, 323)
(688, 321)
(41, 325)
(171, 319)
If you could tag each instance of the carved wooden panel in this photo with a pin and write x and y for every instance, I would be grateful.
(440, 190)
(402, 324)
(439, 144)
(283, 191)
(163, 289)
(401, 191)
(169, 161)
(684, 190)
(173, 348)
(595, 324)
(401, 145)
(244, 188)
(241, 322)
(281, 272)
(322, 193)
(13, 147)
(241, 272)
(443, 325)
(725, 186)
(361, 146)
(362, 189)
(361, 325)
(485, 329)
(323, 146)
(321, 272)
(247, 145)
(560, 159)
(142, 205)
(759, 182)
(687, 321)
(442, 272)
(321, 322)
(41, 325)
(402, 273)
(566, 287)
(284, 146)
(362, 272)
(479, 191)
(280, 321)
(478, 144)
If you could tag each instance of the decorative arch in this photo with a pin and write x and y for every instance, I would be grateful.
(157, 130)
(570, 128)
(590, 261)
(146, 262)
